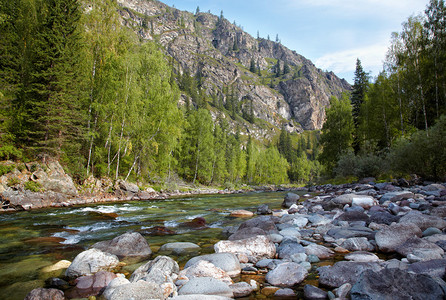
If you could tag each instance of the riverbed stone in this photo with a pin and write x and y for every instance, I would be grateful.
(246, 233)
(291, 231)
(396, 196)
(287, 274)
(203, 268)
(420, 248)
(45, 294)
(431, 231)
(404, 285)
(357, 244)
(241, 213)
(314, 293)
(91, 285)
(285, 293)
(423, 221)
(206, 286)
(320, 251)
(263, 222)
(362, 256)
(383, 217)
(290, 199)
(179, 247)
(118, 281)
(199, 297)
(388, 239)
(289, 247)
(433, 268)
(91, 261)
(353, 216)
(256, 247)
(140, 290)
(349, 232)
(241, 289)
(228, 262)
(263, 210)
(130, 246)
(344, 272)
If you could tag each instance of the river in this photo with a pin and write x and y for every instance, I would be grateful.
(32, 240)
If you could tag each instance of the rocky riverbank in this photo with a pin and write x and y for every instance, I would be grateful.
(37, 185)
(358, 241)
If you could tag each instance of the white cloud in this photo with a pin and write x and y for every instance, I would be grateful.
(371, 57)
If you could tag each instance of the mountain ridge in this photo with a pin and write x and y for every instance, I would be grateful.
(222, 52)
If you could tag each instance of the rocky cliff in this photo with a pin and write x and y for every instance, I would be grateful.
(223, 53)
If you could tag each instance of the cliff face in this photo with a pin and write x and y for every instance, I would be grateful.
(222, 53)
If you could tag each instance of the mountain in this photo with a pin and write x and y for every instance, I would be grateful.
(232, 63)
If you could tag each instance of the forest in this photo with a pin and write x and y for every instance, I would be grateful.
(78, 86)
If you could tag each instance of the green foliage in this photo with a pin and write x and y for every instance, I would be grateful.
(361, 165)
(271, 167)
(5, 169)
(421, 154)
(12, 181)
(337, 131)
(33, 186)
(10, 152)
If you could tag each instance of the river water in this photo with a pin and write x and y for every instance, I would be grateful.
(32, 240)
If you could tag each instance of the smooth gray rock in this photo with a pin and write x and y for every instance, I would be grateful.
(91, 261)
(228, 262)
(288, 248)
(383, 217)
(179, 247)
(203, 268)
(199, 297)
(91, 285)
(344, 272)
(263, 210)
(159, 270)
(353, 216)
(256, 248)
(286, 275)
(290, 199)
(388, 239)
(128, 246)
(362, 256)
(118, 281)
(431, 231)
(357, 244)
(206, 286)
(313, 293)
(285, 293)
(433, 268)
(320, 251)
(241, 289)
(375, 285)
(246, 233)
(396, 196)
(343, 291)
(423, 221)
(141, 290)
(265, 223)
(420, 248)
(349, 232)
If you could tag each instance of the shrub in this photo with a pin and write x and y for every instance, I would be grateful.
(33, 186)
(364, 165)
(5, 169)
(13, 181)
(8, 152)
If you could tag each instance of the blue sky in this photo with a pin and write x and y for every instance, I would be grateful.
(331, 33)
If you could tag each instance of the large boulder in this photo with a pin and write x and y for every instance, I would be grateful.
(388, 239)
(127, 186)
(140, 290)
(344, 272)
(255, 248)
(433, 268)
(54, 179)
(162, 271)
(228, 262)
(91, 261)
(45, 294)
(423, 221)
(204, 268)
(206, 286)
(290, 199)
(130, 246)
(349, 232)
(383, 217)
(287, 274)
(397, 285)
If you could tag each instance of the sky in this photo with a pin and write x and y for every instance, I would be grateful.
(331, 33)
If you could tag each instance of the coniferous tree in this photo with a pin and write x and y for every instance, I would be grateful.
(252, 67)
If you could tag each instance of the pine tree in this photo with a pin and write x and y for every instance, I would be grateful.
(252, 67)
(360, 87)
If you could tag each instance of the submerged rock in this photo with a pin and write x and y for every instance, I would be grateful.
(128, 246)
(45, 294)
